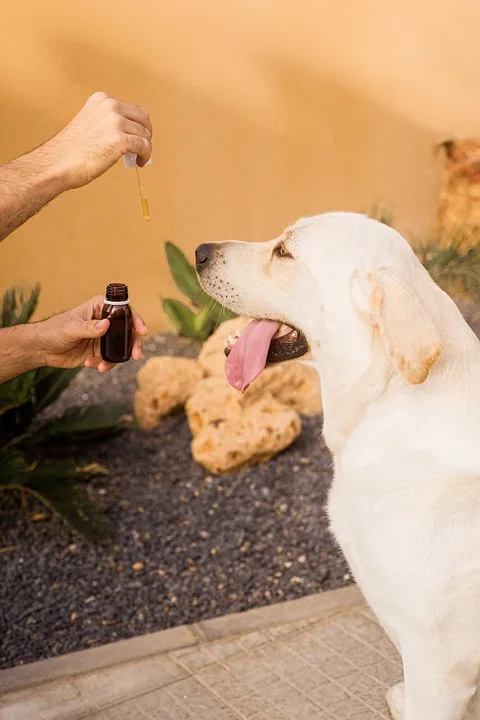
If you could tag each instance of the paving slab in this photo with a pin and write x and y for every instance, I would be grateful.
(319, 657)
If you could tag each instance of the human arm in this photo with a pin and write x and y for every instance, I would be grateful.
(96, 138)
(67, 340)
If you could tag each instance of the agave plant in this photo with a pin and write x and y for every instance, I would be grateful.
(25, 437)
(195, 325)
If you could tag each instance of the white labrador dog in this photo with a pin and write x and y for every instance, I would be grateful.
(400, 378)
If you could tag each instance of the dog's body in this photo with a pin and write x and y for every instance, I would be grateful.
(400, 378)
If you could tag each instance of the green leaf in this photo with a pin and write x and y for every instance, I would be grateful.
(184, 275)
(203, 324)
(18, 310)
(12, 467)
(17, 391)
(181, 317)
(50, 384)
(56, 486)
(96, 422)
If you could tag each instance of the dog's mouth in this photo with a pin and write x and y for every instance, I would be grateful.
(261, 343)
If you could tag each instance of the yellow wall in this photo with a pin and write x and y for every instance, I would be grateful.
(263, 110)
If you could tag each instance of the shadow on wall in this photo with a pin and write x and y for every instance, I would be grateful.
(327, 147)
(20, 118)
(219, 171)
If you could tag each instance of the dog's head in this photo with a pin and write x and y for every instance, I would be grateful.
(328, 287)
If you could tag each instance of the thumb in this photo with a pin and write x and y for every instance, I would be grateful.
(93, 328)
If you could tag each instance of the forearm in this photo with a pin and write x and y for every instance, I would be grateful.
(20, 350)
(27, 184)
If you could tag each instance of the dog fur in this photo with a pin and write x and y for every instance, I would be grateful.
(400, 377)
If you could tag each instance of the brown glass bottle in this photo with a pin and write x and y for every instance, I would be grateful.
(116, 344)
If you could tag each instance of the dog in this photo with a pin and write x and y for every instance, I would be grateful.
(399, 371)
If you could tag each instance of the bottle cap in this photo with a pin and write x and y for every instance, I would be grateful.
(116, 293)
(130, 160)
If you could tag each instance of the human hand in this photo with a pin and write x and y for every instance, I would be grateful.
(73, 337)
(97, 137)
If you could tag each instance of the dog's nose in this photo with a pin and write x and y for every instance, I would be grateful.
(203, 255)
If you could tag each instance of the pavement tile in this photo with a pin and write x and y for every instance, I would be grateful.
(338, 668)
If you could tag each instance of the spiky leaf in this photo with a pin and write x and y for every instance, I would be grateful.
(12, 467)
(17, 392)
(50, 384)
(84, 424)
(56, 486)
(16, 309)
(184, 275)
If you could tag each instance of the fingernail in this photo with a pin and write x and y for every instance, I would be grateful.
(100, 324)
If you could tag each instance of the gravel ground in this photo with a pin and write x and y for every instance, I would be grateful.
(185, 545)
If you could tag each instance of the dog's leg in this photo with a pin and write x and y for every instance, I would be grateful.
(396, 701)
(436, 688)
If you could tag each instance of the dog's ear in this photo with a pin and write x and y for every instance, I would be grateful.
(409, 335)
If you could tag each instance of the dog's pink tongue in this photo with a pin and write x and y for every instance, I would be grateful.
(248, 356)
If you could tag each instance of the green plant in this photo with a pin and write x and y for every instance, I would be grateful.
(454, 268)
(453, 259)
(195, 325)
(382, 213)
(26, 437)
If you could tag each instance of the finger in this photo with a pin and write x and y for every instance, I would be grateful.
(96, 363)
(77, 329)
(97, 98)
(141, 147)
(97, 303)
(137, 114)
(104, 366)
(137, 346)
(93, 328)
(139, 324)
(133, 128)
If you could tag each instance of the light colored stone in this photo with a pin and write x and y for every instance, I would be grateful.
(292, 383)
(252, 435)
(164, 384)
(231, 429)
(213, 401)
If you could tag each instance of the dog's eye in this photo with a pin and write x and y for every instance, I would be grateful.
(281, 251)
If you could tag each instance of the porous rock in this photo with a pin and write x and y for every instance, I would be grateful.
(241, 436)
(164, 384)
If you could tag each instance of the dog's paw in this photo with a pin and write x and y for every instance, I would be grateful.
(396, 701)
